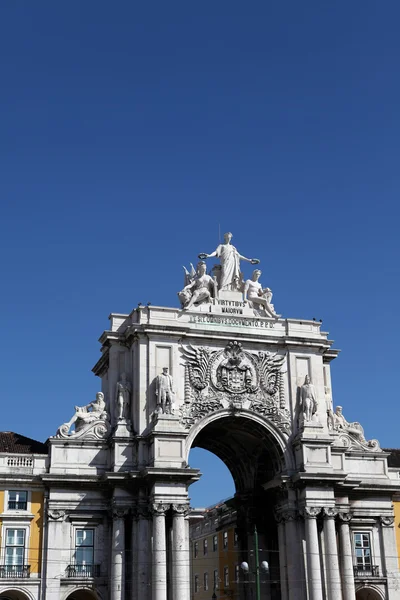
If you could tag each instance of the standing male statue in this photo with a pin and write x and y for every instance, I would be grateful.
(123, 397)
(230, 264)
(165, 392)
(308, 399)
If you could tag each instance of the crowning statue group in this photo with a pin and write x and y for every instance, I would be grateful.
(200, 287)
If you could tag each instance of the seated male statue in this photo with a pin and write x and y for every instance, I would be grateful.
(94, 411)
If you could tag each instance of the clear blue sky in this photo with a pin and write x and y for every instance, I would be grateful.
(131, 130)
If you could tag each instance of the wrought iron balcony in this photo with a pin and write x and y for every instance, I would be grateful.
(13, 505)
(83, 570)
(15, 571)
(366, 571)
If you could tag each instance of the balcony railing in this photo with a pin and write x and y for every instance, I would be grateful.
(15, 571)
(14, 505)
(366, 571)
(83, 571)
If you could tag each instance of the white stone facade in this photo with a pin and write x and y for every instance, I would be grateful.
(256, 391)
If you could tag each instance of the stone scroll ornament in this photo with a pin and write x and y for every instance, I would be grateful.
(351, 435)
(236, 379)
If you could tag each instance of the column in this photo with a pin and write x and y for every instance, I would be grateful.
(332, 561)
(389, 556)
(310, 514)
(134, 555)
(294, 579)
(118, 554)
(143, 552)
(346, 557)
(282, 556)
(180, 553)
(159, 571)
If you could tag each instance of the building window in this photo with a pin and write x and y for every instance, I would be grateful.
(84, 550)
(237, 573)
(215, 543)
(205, 582)
(17, 500)
(196, 583)
(226, 577)
(196, 549)
(235, 538)
(205, 547)
(15, 548)
(216, 579)
(225, 540)
(362, 548)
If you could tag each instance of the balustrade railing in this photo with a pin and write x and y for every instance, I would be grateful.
(15, 571)
(83, 570)
(366, 571)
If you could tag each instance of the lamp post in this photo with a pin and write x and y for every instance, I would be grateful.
(264, 565)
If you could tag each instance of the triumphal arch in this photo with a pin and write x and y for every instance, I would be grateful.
(226, 372)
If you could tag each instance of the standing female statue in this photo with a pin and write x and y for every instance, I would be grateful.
(230, 264)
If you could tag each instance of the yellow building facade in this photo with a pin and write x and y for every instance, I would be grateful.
(215, 554)
(21, 515)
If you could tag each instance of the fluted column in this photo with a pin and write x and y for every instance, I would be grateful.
(282, 556)
(159, 571)
(332, 560)
(346, 557)
(143, 553)
(294, 579)
(118, 554)
(180, 553)
(133, 568)
(310, 514)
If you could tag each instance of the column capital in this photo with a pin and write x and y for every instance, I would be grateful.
(289, 515)
(55, 514)
(142, 511)
(386, 520)
(158, 508)
(119, 512)
(330, 512)
(180, 509)
(311, 512)
(345, 517)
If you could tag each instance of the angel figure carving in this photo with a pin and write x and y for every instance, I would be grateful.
(200, 289)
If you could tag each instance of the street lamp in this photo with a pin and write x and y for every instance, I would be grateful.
(264, 567)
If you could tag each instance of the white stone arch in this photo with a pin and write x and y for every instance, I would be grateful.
(16, 592)
(77, 589)
(279, 439)
(363, 591)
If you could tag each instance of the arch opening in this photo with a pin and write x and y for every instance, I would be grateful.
(14, 595)
(254, 457)
(367, 594)
(82, 594)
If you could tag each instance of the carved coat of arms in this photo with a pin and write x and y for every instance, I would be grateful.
(233, 378)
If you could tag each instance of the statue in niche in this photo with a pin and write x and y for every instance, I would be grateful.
(230, 277)
(165, 394)
(200, 289)
(308, 400)
(341, 425)
(124, 390)
(85, 415)
(258, 297)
